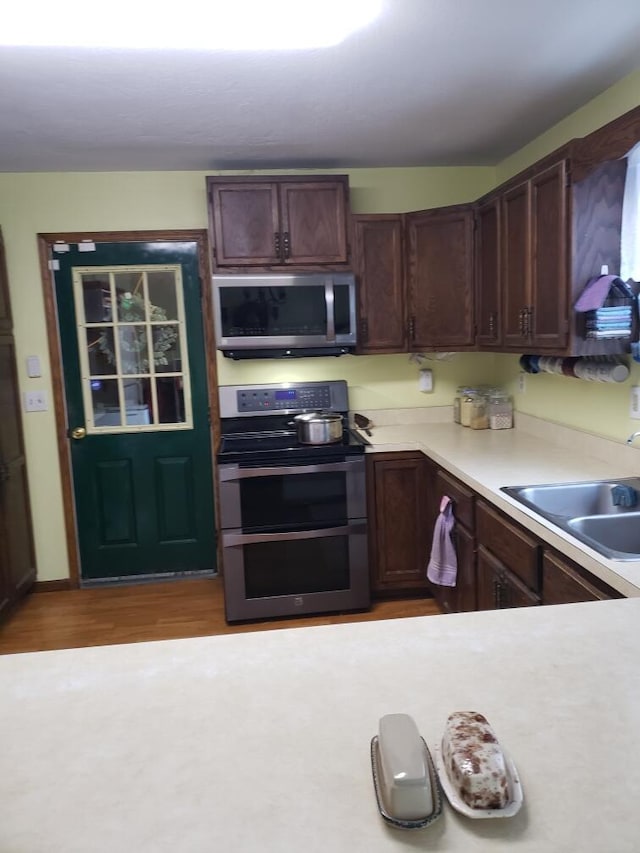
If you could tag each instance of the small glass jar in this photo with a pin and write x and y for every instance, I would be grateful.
(500, 410)
(479, 414)
(457, 400)
(466, 406)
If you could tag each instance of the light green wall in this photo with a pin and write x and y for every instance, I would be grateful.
(58, 202)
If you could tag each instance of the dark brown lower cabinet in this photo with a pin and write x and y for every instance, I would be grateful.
(398, 488)
(508, 562)
(563, 582)
(499, 588)
(462, 596)
(500, 563)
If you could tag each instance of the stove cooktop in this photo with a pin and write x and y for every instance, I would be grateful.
(256, 422)
(265, 446)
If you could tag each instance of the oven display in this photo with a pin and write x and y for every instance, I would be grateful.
(287, 394)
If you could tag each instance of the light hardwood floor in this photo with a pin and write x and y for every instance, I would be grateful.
(154, 611)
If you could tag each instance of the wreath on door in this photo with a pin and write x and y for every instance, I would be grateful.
(133, 339)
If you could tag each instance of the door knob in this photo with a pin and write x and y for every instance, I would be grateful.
(78, 433)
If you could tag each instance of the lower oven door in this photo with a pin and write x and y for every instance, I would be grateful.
(297, 572)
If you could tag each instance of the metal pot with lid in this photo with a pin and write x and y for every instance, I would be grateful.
(318, 427)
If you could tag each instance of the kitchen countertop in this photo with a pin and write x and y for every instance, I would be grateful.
(534, 451)
(260, 741)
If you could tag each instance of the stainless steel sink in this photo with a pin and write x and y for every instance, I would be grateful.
(572, 499)
(615, 536)
(586, 511)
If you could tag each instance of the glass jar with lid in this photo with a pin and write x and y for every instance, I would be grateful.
(479, 413)
(500, 409)
(466, 405)
(457, 401)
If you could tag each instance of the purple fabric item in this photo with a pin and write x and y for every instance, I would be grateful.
(595, 293)
(443, 563)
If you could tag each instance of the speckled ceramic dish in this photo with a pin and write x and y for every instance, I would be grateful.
(512, 807)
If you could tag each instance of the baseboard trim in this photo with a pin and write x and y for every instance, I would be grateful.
(52, 586)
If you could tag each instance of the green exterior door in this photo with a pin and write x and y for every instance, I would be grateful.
(134, 361)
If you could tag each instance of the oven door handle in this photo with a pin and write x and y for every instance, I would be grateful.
(230, 540)
(229, 473)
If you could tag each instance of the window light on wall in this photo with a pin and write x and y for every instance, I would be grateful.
(191, 24)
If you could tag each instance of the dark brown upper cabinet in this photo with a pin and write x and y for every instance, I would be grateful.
(279, 221)
(488, 276)
(379, 266)
(534, 269)
(440, 279)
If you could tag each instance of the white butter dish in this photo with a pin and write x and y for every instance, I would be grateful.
(404, 777)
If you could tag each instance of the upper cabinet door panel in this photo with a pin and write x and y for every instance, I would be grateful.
(378, 248)
(246, 223)
(516, 217)
(549, 271)
(279, 221)
(488, 281)
(441, 311)
(314, 222)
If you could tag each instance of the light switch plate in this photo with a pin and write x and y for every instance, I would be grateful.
(35, 401)
(33, 366)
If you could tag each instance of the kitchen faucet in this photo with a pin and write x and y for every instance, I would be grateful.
(632, 436)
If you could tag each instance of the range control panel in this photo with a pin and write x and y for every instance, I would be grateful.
(286, 397)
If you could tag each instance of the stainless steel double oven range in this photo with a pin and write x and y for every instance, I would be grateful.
(293, 516)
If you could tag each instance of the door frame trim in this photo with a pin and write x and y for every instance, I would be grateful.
(45, 253)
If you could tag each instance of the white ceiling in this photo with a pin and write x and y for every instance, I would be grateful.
(431, 82)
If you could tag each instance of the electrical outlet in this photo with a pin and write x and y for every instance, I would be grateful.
(634, 408)
(35, 401)
(522, 382)
(425, 382)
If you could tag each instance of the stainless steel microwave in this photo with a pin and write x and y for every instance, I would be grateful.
(272, 315)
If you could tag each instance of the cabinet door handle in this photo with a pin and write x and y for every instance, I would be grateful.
(412, 329)
(364, 330)
(492, 324)
(277, 245)
(529, 320)
(521, 322)
(286, 245)
(496, 596)
(4, 472)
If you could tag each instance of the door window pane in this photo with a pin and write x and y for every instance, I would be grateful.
(134, 352)
(97, 298)
(130, 297)
(162, 294)
(166, 348)
(131, 328)
(170, 397)
(101, 351)
(106, 402)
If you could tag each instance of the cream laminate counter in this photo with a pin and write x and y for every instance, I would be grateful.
(260, 741)
(536, 452)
